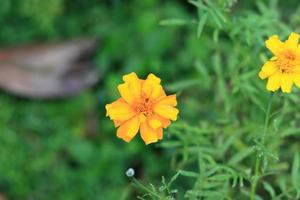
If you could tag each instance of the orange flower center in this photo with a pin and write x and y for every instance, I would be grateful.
(287, 61)
(144, 106)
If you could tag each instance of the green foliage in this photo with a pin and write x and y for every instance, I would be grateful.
(208, 52)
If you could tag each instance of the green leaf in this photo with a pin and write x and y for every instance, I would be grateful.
(201, 24)
(173, 22)
(269, 189)
(189, 174)
(183, 84)
(173, 178)
(295, 173)
(238, 157)
(216, 35)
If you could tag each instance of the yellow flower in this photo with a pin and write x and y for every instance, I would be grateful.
(143, 105)
(283, 69)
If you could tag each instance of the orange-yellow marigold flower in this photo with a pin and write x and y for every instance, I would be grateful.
(283, 69)
(143, 106)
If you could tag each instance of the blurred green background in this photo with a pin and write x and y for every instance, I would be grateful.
(67, 149)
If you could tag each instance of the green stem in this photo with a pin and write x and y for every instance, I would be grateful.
(256, 176)
(140, 185)
(267, 119)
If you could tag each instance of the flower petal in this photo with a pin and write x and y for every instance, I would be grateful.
(126, 93)
(292, 41)
(129, 128)
(119, 110)
(118, 123)
(135, 84)
(274, 82)
(157, 91)
(296, 69)
(298, 50)
(131, 89)
(286, 83)
(296, 79)
(165, 122)
(154, 122)
(148, 134)
(274, 44)
(166, 111)
(159, 133)
(168, 100)
(268, 69)
(152, 88)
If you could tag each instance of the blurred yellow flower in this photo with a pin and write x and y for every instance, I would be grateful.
(283, 69)
(143, 105)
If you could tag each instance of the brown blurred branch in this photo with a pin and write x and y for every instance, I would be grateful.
(48, 70)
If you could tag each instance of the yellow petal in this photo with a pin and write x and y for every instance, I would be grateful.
(286, 83)
(262, 75)
(298, 50)
(152, 78)
(148, 134)
(268, 69)
(296, 79)
(154, 122)
(274, 44)
(292, 41)
(166, 111)
(131, 89)
(134, 84)
(119, 110)
(152, 88)
(159, 133)
(168, 100)
(165, 122)
(274, 82)
(125, 92)
(297, 69)
(129, 129)
(143, 118)
(118, 123)
(157, 91)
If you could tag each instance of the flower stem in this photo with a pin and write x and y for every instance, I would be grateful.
(141, 186)
(256, 176)
(267, 118)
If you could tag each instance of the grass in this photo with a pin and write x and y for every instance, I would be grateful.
(207, 52)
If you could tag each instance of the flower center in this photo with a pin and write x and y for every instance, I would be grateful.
(145, 106)
(286, 61)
